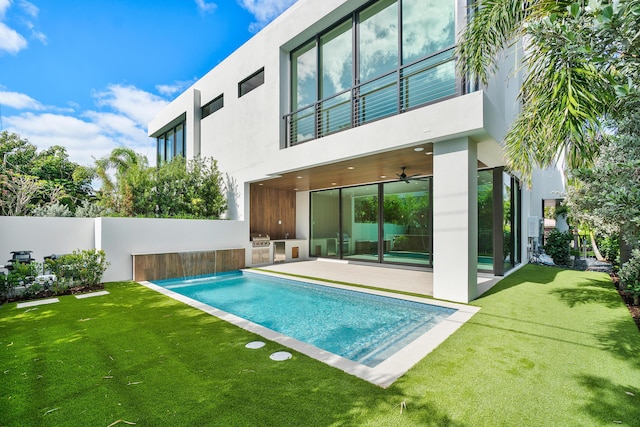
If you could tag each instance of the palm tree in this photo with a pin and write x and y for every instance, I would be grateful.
(120, 161)
(578, 63)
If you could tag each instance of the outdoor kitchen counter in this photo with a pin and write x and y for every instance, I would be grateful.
(295, 249)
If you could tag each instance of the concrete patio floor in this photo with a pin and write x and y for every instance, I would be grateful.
(380, 276)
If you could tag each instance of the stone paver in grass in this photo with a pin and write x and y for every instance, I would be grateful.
(38, 302)
(92, 294)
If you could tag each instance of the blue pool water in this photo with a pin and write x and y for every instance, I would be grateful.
(361, 327)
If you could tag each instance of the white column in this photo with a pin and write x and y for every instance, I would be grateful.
(455, 220)
(192, 125)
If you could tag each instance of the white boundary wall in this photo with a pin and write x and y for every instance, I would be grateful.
(118, 237)
(44, 235)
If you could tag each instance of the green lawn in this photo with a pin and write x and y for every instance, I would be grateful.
(550, 347)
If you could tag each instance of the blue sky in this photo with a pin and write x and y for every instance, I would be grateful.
(89, 75)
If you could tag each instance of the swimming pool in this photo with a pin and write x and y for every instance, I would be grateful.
(376, 337)
(361, 327)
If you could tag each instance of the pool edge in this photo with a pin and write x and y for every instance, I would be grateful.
(385, 373)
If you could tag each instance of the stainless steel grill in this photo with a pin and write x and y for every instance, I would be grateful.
(261, 248)
(260, 241)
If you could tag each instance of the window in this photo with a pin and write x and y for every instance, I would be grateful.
(385, 222)
(251, 82)
(384, 59)
(336, 58)
(428, 26)
(213, 106)
(378, 39)
(303, 76)
(171, 144)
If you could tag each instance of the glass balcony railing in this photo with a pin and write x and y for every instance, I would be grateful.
(420, 83)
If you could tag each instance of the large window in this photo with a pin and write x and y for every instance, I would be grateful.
(498, 221)
(427, 27)
(386, 58)
(171, 144)
(336, 69)
(378, 39)
(360, 217)
(408, 222)
(485, 220)
(304, 88)
(392, 222)
(386, 222)
(325, 223)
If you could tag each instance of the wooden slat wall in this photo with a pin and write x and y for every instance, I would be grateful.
(270, 205)
(184, 264)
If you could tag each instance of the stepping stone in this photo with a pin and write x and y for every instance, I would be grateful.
(255, 344)
(279, 356)
(92, 294)
(38, 302)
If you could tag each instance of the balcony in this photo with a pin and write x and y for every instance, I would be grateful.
(423, 82)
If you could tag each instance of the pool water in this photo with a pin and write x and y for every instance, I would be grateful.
(358, 326)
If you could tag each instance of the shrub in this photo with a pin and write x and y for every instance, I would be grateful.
(558, 246)
(19, 275)
(610, 247)
(84, 266)
(630, 276)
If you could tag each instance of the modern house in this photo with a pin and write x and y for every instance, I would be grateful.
(345, 131)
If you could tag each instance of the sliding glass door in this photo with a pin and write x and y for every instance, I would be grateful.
(392, 222)
(407, 222)
(360, 214)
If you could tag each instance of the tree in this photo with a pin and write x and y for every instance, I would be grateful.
(607, 196)
(18, 191)
(178, 188)
(32, 179)
(120, 164)
(580, 66)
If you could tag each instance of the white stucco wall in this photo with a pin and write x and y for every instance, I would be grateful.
(121, 237)
(44, 235)
(118, 237)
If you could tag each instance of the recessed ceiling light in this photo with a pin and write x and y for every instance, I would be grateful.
(383, 176)
(299, 177)
(351, 168)
(428, 153)
(295, 189)
(418, 149)
(261, 184)
(334, 183)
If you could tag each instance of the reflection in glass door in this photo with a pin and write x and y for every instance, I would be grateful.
(360, 223)
(325, 223)
(407, 222)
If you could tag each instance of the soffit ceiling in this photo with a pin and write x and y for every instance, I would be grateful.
(373, 168)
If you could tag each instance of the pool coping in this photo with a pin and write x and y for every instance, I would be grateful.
(385, 373)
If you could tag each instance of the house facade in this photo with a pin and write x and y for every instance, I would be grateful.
(345, 131)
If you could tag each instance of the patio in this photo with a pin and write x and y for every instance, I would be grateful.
(392, 278)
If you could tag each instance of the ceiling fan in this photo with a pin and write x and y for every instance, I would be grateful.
(406, 178)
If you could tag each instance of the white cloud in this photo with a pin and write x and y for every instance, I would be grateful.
(4, 5)
(204, 7)
(84, 139)
(19, 101)
(10, 40)
(29, 8)
(137, 104)
(265, 10)
(91, 134)
(38, 35)
(175, 87)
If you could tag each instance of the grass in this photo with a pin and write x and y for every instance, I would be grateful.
(549, 347)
